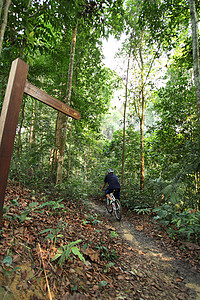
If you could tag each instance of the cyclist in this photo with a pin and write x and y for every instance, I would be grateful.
(113, 184)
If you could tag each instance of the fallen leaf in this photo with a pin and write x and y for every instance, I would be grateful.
(24, 275)
(93, 255)
(139, 227)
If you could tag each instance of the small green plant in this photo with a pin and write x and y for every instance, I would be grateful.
(185, 223)
(108, 266)
(14, 201)
(164, 214)
(85, 222)
(93, 219)
(106, 253)
(56, 206)
(65, 251)
(8, 260)
(113, 234)
(144, 211)
(24, 215)
(188, 223)
(102, 283)
(53, 234)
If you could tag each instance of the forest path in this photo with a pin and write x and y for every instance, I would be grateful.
(164, 261)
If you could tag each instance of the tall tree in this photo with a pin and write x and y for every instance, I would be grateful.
(124, 117)
(62, 119)
(3, 18)
(196, 65)
(143, 59)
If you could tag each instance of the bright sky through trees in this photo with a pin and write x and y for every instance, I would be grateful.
(110, 47)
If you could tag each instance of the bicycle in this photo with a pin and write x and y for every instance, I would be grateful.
(114, 205)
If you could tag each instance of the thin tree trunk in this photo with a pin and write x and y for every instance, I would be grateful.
(142, 124)
(142, 142)
(19, 144)
(124, 118)
(1, 6)
(62, 119)
(32, 137)
(4, 21)
(196, 66)
(69, 154)
(71, 129)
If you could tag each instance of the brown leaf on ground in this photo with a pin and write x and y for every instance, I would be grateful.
(93, 255)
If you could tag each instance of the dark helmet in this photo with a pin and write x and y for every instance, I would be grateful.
(110, 171)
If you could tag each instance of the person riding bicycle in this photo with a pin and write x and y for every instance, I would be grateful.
(113, 185)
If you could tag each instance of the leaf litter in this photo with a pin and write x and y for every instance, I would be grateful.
(102, 265)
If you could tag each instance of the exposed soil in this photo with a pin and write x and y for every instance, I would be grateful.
(166, 259)
(131, 259)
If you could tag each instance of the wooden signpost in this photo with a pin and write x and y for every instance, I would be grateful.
(16, 87)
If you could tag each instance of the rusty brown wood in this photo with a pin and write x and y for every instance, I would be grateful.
(51, 101)
(9, 120)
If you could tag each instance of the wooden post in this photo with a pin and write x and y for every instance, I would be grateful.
(9, 120)
(16, 87)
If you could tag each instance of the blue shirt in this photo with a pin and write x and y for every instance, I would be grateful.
(112, 180)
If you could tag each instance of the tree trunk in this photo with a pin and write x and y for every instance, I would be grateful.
(142, 142)
(62, 120)
(19, 144)
(69, 154)
(196, 66)
(32, 136)
(124, 119)
(142, 124)
(1, 6)
(4, 20)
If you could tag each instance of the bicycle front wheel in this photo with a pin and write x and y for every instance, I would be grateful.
(118, 210)
(109, 206)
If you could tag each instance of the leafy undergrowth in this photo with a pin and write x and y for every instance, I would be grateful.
(53, 249)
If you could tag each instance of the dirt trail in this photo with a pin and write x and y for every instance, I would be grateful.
(169, 266)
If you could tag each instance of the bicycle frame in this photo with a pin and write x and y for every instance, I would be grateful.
(114, 205)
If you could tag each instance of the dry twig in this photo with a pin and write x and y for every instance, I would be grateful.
(49, 292)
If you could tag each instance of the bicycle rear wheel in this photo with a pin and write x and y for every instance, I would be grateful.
(117, 210)
(109, 206)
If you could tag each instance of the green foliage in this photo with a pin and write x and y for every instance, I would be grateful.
(93, 219)
(171, 133)
(65, 251)
(102, 283)
(188, 224)
(187, 221)
(55, 206)
(165, 214)
(24, 215)
(164, 20)
(108, 266)
(113, 234)
(106, 253)
(7, 260)
(143, 211)
(54, 234)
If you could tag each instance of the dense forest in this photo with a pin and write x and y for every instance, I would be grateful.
(141, 117)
